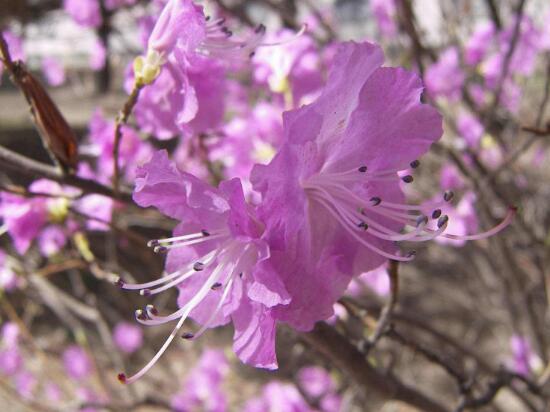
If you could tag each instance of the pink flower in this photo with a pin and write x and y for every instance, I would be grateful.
(54, 71)
(24, 218)
(277, 396)
(87, 13)
(450, 177)
(77, 363)
(479, 42)
(98, 56)
(185, 59)
(25, 383)
(217, 259)
(378, 280)
(127, 337)
(445, 77)
(524, 359)
(202, 390)
(292, 67)
(11, 361)
(332, 199)
(470, 129)
(385, 13)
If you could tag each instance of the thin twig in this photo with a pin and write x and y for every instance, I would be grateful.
(23, 165)
(345, 357)
(121, 120)
(385, 317)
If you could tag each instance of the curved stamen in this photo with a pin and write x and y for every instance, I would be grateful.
(286, 41)
(178, 244)
(364, 242)
(493, 231)
(218, 308)
(183, 314)
(208, 258)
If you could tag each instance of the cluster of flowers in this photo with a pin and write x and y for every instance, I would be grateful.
(282, 243)
(203, 389)
(316, 197)
(77, 366)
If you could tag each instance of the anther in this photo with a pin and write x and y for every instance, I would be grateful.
(362, 169)
(140, 315)
(260, 29)
(216, 286)
(121, 377)
(145, 292)
(153, 243)
(119, 282)
(421, 220)
(207, 18)
(152, 310)
(442, 221)
(436, 213)
(363, 225)
(241, 275)
(221, 21)
(448, 195)
(407, 179)
(160, 249)
(205, 232)
(198, 266)
(375, 201)
(188, 336)
(411, 253)
(252, 54)
(414, 164)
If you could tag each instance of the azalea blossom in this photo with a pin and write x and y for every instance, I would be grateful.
(445, 77)
(86, 13)
(202, 389)
(77, 363)
(127, 337)
(217, 258)
(332, 200)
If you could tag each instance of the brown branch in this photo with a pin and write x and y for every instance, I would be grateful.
(461, 379)
(121, 120)
(29, 167)
(386, 314)
(345, 357)
(508, 57)
(495, 15)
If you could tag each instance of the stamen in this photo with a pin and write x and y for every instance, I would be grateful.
(183, 313)
(282, 42)
(375, 201)
(414, 164)
(140, 315)
(407, 179)
(448, 196)
(188, 336)
(362, 169)
(483, 235)
(436, 213)
(442, 220)
(364, 242)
